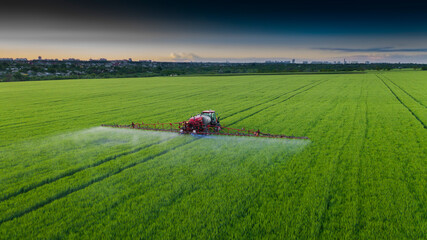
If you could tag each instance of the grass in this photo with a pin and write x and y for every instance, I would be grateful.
(361, 176)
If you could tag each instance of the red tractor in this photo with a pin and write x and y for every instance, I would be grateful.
(205, 122)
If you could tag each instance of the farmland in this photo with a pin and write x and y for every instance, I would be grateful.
(362, 174)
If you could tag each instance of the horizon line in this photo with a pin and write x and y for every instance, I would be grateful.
(225, 60)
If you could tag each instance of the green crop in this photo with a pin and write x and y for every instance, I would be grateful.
(362, 174)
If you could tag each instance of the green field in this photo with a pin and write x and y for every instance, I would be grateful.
(362, 174)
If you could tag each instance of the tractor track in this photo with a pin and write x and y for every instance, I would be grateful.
(416, 100)
(265, 102)
(303, 189)
(77, 170)
(409, 186)
(359, 224)
(335, 168)
(67, 192)
(274, 104)
(329, 193)
(401, 102)
(319, 118)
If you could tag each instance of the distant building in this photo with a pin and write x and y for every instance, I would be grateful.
(39, 58)
(71, 60)
(293, 61)
(319, 62)
(367, 62)
(304, 62)
(285, 62)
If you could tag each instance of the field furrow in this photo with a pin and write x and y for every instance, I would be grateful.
(265, 102)
(418, 101)
(279, 102)
(405, 105)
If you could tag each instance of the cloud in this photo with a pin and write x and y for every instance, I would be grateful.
(378, 49)
(185, 57)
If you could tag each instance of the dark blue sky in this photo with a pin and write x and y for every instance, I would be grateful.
(216, 30)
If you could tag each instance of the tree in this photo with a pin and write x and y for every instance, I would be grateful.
(18, 77)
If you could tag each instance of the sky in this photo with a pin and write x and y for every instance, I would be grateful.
(234, 31)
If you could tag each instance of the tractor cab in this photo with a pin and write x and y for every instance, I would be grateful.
(212, 115)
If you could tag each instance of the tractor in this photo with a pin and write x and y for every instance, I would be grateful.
(202, 123)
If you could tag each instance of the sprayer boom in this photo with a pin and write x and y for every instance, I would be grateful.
(206, 123)
(175, 127)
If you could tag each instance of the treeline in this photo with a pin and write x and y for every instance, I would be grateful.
(38, 70)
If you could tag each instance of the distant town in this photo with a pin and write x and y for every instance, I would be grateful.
(22, 69)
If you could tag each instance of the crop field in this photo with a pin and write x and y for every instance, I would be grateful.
(362, 174)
